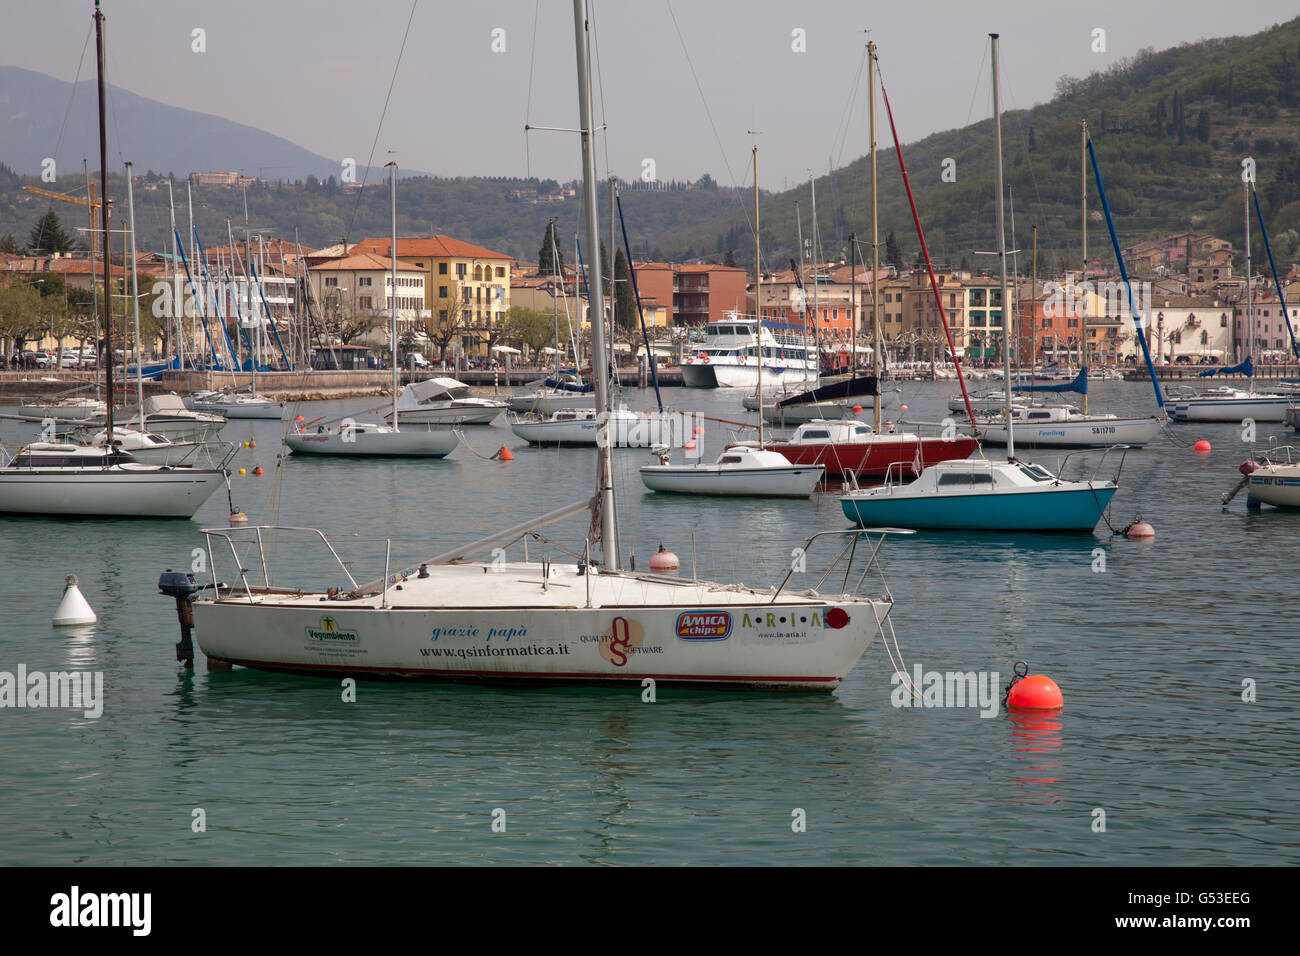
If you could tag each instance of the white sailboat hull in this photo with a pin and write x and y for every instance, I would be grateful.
(548, 403)
(1261, 408)
(1093, 433)
(122, 491)
(637, 627)
(408, 443)
(632, 431)
(797, 481)
(250, 409)
(1277, 485)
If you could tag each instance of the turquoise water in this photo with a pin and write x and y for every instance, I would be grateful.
(1150, 653)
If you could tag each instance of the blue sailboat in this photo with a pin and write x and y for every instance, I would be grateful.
(1011, 495)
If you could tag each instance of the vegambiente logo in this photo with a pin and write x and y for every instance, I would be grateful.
(947, 689)
(78, 909)
(73, 690)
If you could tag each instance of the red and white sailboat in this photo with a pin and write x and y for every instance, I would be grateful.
(849, 448)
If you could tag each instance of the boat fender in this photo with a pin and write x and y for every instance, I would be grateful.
(1248, 467)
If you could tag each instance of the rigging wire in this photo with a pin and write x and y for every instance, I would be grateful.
(356, 205)
(528, 109)
(709, 114)
(72, 95)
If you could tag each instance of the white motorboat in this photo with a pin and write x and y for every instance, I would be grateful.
(1064, 426)
(729, 357)
(150, 448)
(627, 429)
(53, 478)
(232, 405)
(739, 471)
(373, 440)
(164, 415)
(584, 621)
(444, 401)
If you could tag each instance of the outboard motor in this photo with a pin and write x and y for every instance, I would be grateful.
(181, 586)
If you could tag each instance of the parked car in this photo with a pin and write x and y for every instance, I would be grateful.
(416, 360)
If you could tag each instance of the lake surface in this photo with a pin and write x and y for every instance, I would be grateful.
(1151, 654)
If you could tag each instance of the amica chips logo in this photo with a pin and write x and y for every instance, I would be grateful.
(704, 625)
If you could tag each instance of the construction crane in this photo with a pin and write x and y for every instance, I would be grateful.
(94, 204)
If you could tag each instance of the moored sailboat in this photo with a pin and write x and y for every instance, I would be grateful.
(586, 621)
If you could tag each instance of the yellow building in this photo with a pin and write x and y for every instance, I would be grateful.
(466, 286)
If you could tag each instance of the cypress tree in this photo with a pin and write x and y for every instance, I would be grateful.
(48, 237)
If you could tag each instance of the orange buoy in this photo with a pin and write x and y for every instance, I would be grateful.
(239, 518)
(1140, 529)
(299, 419)
(258, 470)
(504, 454)
(1202, 447)
(1035, 692)
(664, 560)
(857, 409)
(689, 446)
(252, 443)
(902, 408)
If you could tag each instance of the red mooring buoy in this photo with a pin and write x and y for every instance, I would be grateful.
(1140, 529)
(663, 560)
(1035, 692)
(504, 454)
(1202, 447)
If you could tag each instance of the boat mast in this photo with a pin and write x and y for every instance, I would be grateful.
(758, 300)
(1250, 304)
(103, 199)
(600, 359)
(875, 245)
(135, 297)
(1002, 250)
(392, 254)
(1083, 220)
(178, 307)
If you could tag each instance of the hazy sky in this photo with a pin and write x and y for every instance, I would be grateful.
(317, 72)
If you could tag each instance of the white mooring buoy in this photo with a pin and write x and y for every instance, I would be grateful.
(73, 609)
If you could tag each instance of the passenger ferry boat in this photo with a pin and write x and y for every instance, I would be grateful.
(729, 357)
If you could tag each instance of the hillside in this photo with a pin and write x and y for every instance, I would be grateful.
(1170, 130)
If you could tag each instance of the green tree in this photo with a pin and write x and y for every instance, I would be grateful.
(626, 302)
(730, 259)
(48, 236)
(1203, 126)
(550, 258)
(529, 328)
(893, 254)
(10, 245)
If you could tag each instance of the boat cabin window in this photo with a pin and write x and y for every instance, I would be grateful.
(729, 460)
(1036, 472)
(1039, 416)
(862, 430)
(965, 478)
(817, 433)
